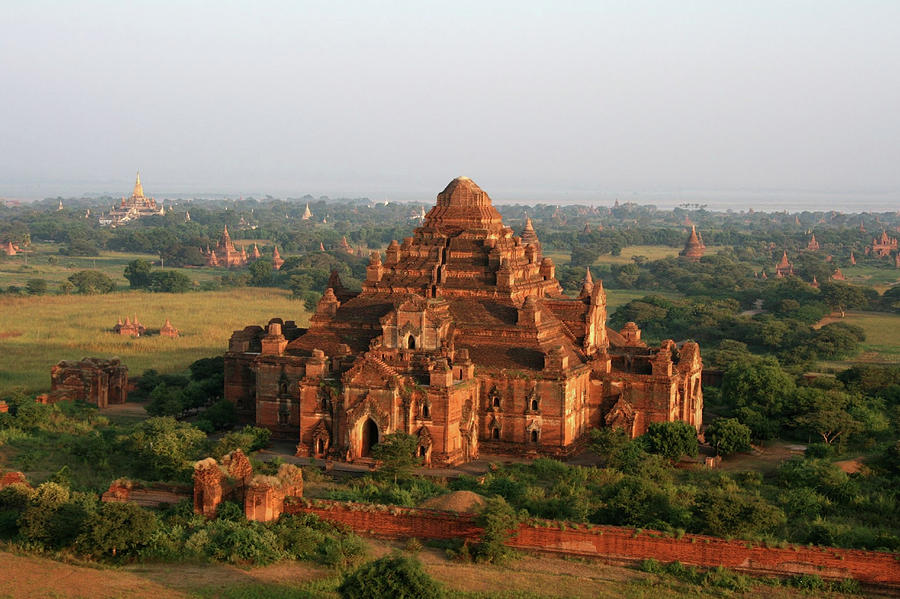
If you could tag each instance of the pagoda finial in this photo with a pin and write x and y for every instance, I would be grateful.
(138, 188)
(587, 287)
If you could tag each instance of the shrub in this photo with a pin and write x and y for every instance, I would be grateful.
(92, 282)
(342, 551)
(169, 281)
(118, 527)
(499, 521)
(728, 436)
(396, 576)
(671, 439)
(243, 542)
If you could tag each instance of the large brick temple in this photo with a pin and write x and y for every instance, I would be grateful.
(463, 338)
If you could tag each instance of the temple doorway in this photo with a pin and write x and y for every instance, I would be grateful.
(369, 437)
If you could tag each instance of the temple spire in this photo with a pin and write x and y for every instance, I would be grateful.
(138, 188)
(588, 286)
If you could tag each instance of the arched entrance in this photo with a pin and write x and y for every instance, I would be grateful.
(369, 437)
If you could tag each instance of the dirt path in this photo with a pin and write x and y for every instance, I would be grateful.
(26, 577)
(763, 458)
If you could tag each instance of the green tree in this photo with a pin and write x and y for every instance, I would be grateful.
(827, 416)
(728, 436)
(396, 576)
(725, 510)
(138, 273)
(166, 401)
(759, 389)
(169, 281)
(671, 439)
(499, 522)
(36, 286)
(92, 282)
(163, 447)
(397, 454)
(261, 273)
(44, 520)
(66, 287)
(117, 528)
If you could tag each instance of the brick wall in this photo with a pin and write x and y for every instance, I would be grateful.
(617, 544)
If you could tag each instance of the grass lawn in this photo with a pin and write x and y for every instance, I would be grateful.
(651, 252)
(39, 331)
(45, 262)
(620, 297)
(879, 278)
(882, 344)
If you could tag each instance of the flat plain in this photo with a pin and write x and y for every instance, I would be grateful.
(36, 332)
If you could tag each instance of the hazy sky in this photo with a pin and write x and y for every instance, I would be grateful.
(534, 100)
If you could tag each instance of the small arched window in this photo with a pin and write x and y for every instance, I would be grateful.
(534, 436)
(426, 411)
(496, 401)
(422, 451)
(495, 432)
(534, 405)
(411, 342)
(283, 388)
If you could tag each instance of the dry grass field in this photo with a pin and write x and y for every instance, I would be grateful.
(38, 331)
(530, 577)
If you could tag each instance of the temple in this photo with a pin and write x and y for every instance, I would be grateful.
(132, 208)
(9, 248)
(785, 268)
(462, 337)
(883, 246)
(693, 247)
(813, 245)
(225, 254)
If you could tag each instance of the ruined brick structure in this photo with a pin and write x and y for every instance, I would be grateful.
(263, 497)
(883, 246)
(168, 330)
(129, 328)
(93, 380)
(693, 247)
(463, 338)
(620, 545)
(225, 254)
(784, 268)
(813, 245)
(277, 260)
(152, 495)
(9, 248)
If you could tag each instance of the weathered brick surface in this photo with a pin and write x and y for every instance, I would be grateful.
(460, 336)
(11, 478)
(154, 495)
(620, 545)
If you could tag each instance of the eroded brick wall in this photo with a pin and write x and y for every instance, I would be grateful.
(619, 545)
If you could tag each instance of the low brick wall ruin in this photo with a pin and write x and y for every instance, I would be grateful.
(617, 544)
(152, 495)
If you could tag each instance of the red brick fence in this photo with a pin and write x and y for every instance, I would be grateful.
(616, 544)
